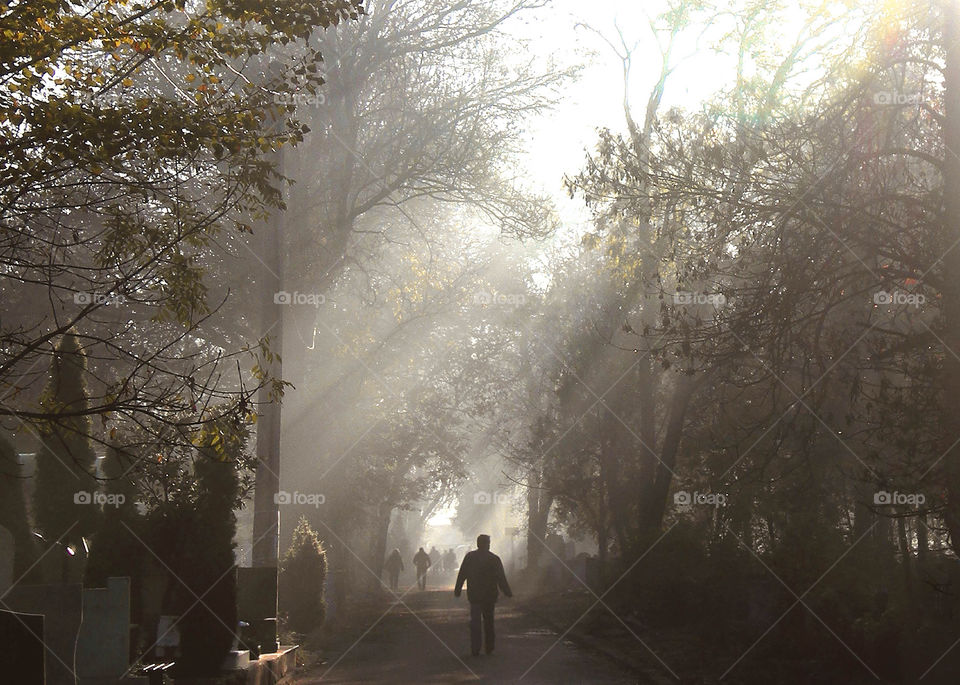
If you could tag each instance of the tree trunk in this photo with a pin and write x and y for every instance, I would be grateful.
(904, 546)
(602, 543)
(654, 504)
(380, 542)
(923, 542)
(951, 232)
(539, 502)
(611, 477)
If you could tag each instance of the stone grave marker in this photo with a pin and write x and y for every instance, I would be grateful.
(103, 646)
(21, 635)
(257, 604)
(62, 609)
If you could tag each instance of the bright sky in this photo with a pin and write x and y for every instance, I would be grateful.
(596, 99)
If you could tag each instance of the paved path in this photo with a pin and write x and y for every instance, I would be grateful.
(428, 642)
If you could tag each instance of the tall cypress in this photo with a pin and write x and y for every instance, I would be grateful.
(207, 565)
(65, 458)
(114, 551)
(303, 574)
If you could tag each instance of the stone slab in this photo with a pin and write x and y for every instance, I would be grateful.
(21, 635)
(62, 608)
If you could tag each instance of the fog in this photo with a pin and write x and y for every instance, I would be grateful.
(656, 300)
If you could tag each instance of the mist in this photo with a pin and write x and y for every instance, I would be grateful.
(336, 333)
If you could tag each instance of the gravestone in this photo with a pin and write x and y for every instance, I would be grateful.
(7, 551)
(257, 604)
(555, 544)
(168, 637)
(103, 646)
(22, 638)
(62, 609)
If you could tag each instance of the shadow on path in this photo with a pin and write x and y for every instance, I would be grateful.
(430, 643)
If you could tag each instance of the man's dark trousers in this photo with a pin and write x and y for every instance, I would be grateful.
(482, 610)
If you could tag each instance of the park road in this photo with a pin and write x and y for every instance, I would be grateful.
(427, 641)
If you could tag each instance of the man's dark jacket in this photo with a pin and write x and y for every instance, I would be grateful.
(483, 571)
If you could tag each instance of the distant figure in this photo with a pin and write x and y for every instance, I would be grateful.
(483, 571)
(393, 566)
(436, 563)
(421, 560)
(449, 560)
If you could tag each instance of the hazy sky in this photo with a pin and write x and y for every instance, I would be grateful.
(596, 99)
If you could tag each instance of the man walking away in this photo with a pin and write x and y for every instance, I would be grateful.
(483, 572)
(421, 560)
(393, 566)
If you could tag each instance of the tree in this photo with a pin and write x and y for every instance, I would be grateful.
(420, 108)
(818, 214)
(205, 565)
(62, 500)
(132, 139)
(114, 551)
(303, 572)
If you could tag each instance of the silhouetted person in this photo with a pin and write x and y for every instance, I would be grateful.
(483, 571)
(421, 560)
(393, 566)
(449, 560)
(435, 562)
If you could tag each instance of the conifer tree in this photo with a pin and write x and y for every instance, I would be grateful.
(303, 573)
(65, 483)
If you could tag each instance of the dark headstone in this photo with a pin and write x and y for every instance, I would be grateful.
(554, 543)
(257, 604)
(168, 637)
(62, 609)
(22, 638)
